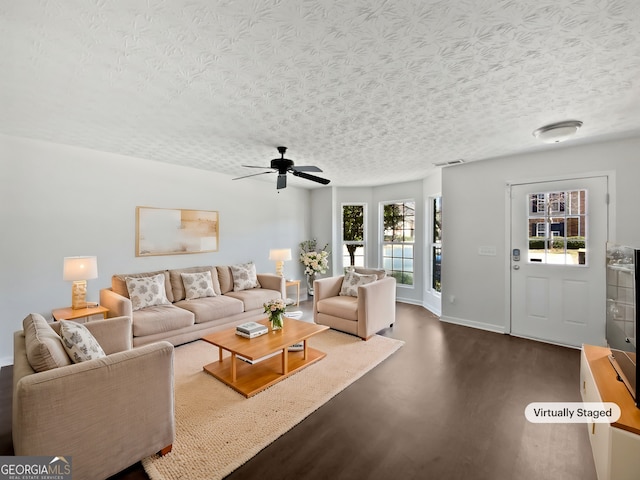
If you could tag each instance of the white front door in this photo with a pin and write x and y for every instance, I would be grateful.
(558, 284)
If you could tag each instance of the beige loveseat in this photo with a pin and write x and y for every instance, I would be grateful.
(367, 307)
(183, 320)
(106, 413)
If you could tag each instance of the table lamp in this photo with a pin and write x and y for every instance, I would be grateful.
(280, 255)
(79, 270)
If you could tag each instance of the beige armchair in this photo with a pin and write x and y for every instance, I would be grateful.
(106, 413)
(373, 309)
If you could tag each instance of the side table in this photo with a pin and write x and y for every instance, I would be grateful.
(69, 313)
(294, 283)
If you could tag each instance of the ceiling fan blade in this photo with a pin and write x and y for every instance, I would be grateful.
(313, 178)
(282, 181)
(254, 166)
(252, 175)
(307, 168)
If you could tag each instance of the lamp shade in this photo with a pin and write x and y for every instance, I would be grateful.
(280, 254)
(80, 268)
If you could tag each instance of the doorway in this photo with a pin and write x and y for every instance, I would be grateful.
(559, 231)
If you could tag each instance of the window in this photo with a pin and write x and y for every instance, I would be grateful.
(398, 240)
(436, 243)
(557, 227)
(353, 235)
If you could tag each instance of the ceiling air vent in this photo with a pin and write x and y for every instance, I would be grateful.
(451, 162)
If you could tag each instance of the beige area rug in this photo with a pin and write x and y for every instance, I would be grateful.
(218, 429)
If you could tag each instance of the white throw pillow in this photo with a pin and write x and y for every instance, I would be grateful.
(244, 276)
(353, 280)
(79, 343)
(147, 291)
(197, 285)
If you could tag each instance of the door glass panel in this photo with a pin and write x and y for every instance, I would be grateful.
(558, 228)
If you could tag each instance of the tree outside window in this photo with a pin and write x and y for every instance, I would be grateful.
(398, 240)
(436, 244)
(353, 235)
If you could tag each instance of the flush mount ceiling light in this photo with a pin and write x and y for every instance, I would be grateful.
(557, 132)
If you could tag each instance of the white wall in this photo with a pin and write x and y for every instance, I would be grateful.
(321, 219)
(58, 201)
(474, 208)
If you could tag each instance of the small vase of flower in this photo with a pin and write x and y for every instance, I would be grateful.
(275, 311)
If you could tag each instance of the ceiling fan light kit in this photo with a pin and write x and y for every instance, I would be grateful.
(557, 132)
(282, 166)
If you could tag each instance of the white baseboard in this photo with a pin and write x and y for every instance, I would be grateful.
(472, 323)
(433, 308)
(435, 311)
(6, 361)
(409, 301)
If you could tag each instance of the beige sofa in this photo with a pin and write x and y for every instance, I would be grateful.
(369, 308)
(106, 413)
(183, 320)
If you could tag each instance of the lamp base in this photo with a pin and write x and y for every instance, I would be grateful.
(280, 268)
(79, 294)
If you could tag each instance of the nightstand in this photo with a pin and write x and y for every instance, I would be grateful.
(294, 283)
(69, 313)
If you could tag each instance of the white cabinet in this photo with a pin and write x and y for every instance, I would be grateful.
(616, 447)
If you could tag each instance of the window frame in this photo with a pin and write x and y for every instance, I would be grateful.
(344, 242)
(562, 212)
(402, 244)
(433, 244)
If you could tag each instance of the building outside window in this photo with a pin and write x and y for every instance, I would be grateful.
(398, 240)
(557, 227)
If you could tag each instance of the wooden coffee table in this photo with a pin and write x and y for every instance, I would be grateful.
(249, 379)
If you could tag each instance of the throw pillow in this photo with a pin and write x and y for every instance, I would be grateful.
(147, 291)
(43, 346)
(244, 276)
(353, 280)
(197, 285)
(371, 271)
(79, 343)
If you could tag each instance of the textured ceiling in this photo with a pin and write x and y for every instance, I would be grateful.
(371, 91)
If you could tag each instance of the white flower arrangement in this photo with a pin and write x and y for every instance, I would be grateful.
(275, 310)
(314, 261)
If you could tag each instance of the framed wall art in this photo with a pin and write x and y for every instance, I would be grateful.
(166, 231)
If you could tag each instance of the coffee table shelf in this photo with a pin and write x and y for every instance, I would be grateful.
(249, 379)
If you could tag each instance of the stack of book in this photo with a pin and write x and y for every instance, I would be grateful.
(251, 330)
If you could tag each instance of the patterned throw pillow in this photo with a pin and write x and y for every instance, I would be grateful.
(244, 276)
(353, 280)
(79, 343)
(147, 291)
(197, 285)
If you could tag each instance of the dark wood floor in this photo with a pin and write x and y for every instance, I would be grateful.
(448, 405)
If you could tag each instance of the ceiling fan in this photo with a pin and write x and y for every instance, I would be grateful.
(283, 165)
